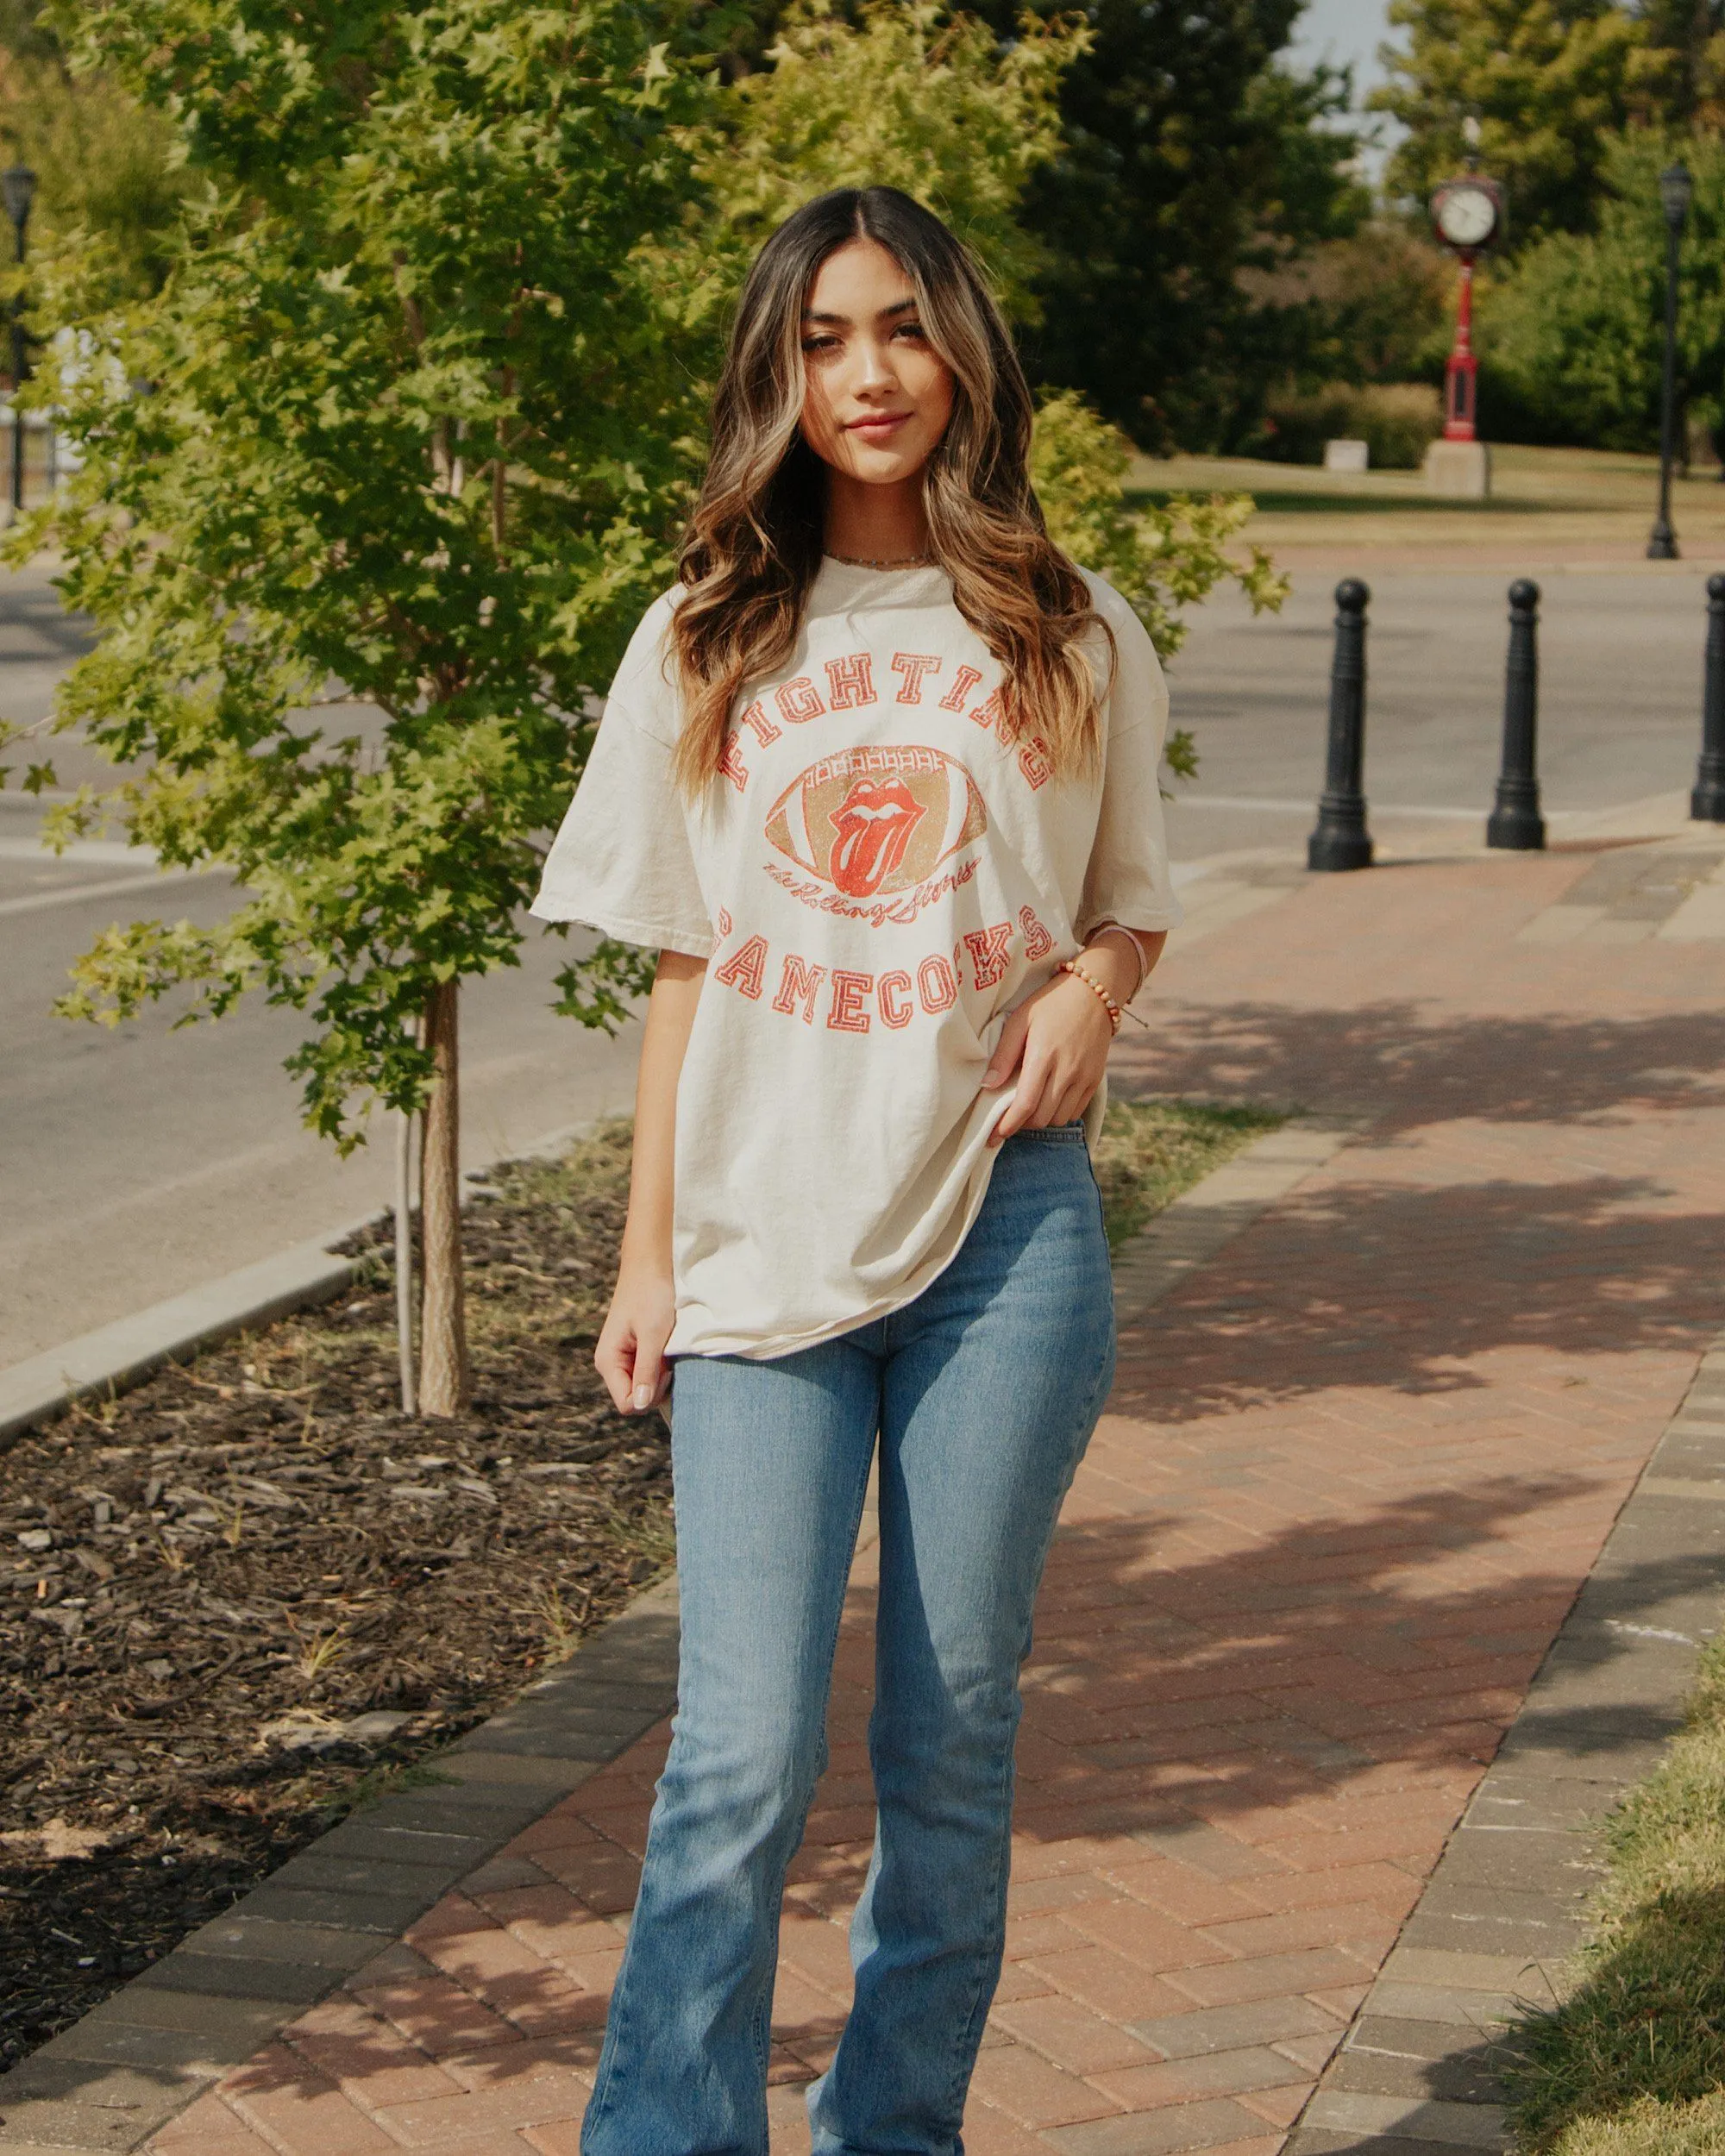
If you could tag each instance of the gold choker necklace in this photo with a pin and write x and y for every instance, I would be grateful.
(909, 561)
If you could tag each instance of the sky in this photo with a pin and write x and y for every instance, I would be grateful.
(1341, 31)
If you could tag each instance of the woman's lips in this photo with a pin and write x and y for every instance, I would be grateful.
(884, 424)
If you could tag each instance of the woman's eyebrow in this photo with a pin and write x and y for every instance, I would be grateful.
(842, 321)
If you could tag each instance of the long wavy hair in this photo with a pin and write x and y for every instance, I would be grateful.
(755, 541)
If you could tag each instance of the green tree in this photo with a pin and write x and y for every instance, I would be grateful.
(906, 96)
(1187, 156)
(105, 167)
(24, 33)
(1575, 328)
(415, 443)
(1689, 36)
(1377, 307)
(1547, 81)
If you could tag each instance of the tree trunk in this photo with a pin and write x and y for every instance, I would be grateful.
(445, 1381)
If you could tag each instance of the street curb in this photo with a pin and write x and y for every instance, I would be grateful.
(104, 2086)
(1505, 1907)
(116, 1356)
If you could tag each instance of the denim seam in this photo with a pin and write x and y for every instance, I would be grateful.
(966, 2047)
(612, 2096)
(969, 2037)
(763, 2027)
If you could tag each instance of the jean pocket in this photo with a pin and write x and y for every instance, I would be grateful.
(1055, 1134)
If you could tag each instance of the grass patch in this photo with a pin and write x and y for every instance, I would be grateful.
(1310, 502)
(1150, 1150)
(1650, 2128)
(1633, 2063)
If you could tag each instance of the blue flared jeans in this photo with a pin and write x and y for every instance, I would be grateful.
(982, 1393)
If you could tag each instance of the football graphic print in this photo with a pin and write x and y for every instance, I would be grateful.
(871, 821)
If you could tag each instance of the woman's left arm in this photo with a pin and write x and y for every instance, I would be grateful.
(1057, 1043)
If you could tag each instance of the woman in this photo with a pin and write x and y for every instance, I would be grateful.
(879, 779)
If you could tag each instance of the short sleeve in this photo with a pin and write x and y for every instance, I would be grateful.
(623, 863)
(1127, 879)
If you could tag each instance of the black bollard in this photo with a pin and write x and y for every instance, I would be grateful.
(1341, 840)
(1707, 802)
(1515, 822)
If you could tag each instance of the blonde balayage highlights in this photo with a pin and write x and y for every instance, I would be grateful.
(755, 541)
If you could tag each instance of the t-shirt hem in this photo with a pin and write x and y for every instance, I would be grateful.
(774, 1349)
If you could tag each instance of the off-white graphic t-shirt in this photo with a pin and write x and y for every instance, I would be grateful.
(877, 877)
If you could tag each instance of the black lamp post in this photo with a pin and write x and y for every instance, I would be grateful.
(1676, 188)
(18, 190)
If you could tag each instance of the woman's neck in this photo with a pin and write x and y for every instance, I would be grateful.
(875, 524)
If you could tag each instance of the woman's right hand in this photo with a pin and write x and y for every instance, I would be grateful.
(630, 1354)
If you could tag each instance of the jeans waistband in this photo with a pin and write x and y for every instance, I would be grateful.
(1055, 1133)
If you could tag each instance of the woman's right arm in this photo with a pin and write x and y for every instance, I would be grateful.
(630, 1354)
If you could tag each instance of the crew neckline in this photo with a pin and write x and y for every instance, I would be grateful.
(830, 564)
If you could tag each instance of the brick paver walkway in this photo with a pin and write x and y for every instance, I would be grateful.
(1354, 1474)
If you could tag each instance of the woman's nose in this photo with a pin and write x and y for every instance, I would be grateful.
(874, 366)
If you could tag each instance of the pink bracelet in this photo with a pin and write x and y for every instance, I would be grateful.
(1118, 928)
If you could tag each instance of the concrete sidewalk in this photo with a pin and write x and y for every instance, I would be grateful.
(1359, 1460)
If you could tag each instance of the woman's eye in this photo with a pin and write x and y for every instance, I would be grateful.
(910, 329)
(821, 344)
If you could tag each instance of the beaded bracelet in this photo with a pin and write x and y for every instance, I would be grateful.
(1096, 989)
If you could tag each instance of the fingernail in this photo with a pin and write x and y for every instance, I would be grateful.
(643, 1397)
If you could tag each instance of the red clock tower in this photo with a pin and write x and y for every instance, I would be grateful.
(1468, 216)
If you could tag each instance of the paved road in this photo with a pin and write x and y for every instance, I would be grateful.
(1621, 653)
(135, 1163)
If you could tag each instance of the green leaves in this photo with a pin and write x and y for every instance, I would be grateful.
(1190, 161)
(378, 476)
(1576, 326)
(374, 489)
(906, 96)
(1158, 557)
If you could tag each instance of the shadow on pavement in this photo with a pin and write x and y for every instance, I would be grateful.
(1373, 1284)
(1409, 1066)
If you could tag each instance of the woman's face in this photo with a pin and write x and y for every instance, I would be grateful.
(878, 396)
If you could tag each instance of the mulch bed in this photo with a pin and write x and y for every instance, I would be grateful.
(241, 1599)
(237, 1600)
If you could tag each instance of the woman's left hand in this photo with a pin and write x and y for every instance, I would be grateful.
(1056, 1044)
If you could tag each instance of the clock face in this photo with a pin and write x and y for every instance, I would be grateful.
(1465, 216)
